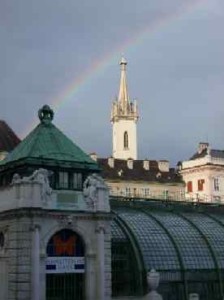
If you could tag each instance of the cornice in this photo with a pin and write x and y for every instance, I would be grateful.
(52, 214)
(207, 167)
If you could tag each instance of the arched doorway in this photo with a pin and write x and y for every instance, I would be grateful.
(65, 266)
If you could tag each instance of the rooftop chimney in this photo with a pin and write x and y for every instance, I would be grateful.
(146, 164)
(130, 163)
(111, 162)
(93, 156)
(164, 165)
(202, 147)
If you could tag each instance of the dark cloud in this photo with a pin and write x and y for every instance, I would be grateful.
(176, 71)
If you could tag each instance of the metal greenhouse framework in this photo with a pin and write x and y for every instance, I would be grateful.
(183, 241)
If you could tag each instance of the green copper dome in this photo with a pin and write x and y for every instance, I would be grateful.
(47, 144)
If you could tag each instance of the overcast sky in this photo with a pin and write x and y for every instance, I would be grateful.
(175, 54)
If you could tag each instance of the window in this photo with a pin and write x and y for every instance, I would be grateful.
(201, 184)
(189, 187)
(53, 179)
(125, 140)
(124, 272)
(128, 191)
(146, 192)
(182, 194)
(166, 194)
(65, 245)
(63, 180)
(77, 181)
(216, 184)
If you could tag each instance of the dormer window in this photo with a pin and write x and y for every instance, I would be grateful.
(120, 172)
(158, 175)
(130, 163)
(125, 140)
(146, 164)
(111, 162)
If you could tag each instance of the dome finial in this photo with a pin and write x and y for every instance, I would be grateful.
(46, 114)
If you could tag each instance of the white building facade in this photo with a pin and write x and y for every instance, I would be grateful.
(204, 175)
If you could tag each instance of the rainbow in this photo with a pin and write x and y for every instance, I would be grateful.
(101, 64)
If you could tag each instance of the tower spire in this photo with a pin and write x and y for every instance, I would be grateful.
(124, 117)
(123, 91)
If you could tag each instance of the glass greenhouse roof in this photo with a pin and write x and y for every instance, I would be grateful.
(172, 239)
(155, 245)
(214, 233)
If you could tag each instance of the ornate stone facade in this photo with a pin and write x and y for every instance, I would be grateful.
(28, 222)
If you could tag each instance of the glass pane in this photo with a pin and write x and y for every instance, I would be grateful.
(77, 181)
(63, 180)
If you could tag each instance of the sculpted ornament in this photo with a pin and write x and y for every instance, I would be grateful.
(39, 176)
(16, 179)
(153, 283)
(96, 193)
(67, 221)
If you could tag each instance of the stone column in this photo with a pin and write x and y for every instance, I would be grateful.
(90, 284)
(101, 261)
(43, 274)
(35, 263)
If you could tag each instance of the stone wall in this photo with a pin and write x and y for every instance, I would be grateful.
(17, 259)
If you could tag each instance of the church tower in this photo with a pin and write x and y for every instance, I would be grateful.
(124, 117)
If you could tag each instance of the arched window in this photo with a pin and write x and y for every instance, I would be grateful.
(125, 140)
(65, 266)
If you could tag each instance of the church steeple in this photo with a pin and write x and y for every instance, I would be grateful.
(123, 91)
(124, 116)
(123, 107)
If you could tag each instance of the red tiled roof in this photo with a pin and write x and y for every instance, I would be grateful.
(8, 139)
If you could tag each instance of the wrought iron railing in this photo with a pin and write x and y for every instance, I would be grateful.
(172, 196)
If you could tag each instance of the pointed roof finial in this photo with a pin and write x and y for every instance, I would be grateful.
(123, 90)
(46, 114)
(123, 107)
(123, 61)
